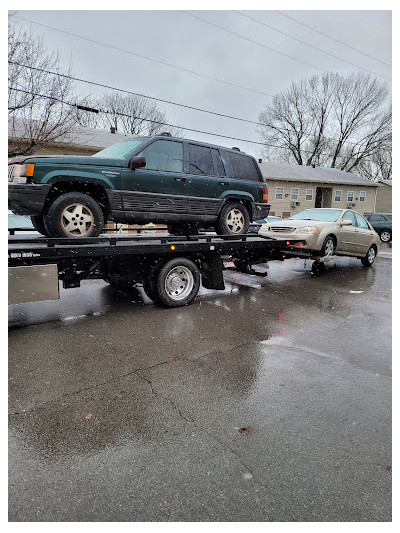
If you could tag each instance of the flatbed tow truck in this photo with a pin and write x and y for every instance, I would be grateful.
(170, 268)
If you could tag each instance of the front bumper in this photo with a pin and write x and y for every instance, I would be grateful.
(27, 198)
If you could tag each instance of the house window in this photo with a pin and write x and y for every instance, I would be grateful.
(338, 196)
(279, 193)
(309, 194)
(294, 195)
(362, 196)
(350, 196)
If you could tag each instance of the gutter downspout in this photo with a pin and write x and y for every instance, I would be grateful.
(376, 192)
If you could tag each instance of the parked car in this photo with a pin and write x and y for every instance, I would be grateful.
(156, 179)
(382, 224)
(256, 225)
(21, 223)
(328, 232)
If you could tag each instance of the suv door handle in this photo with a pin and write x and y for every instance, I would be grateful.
(180, 179)
(224, 182)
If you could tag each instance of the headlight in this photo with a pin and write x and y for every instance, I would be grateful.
(20, 173)
(307, 229)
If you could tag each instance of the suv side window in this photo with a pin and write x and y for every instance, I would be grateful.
(361, 223)
(349, 216)
(166, 156)
(200, 160)
(218, 164)
(376, 218)
(243, 167)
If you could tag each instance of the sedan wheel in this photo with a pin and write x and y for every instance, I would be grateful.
(369, 259)
(385, 235)
(328, 248)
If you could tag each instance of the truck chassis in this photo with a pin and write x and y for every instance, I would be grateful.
(170, 268)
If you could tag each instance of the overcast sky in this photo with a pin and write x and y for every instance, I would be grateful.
(177, 38)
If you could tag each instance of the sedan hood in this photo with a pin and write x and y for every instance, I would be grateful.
(288, 224)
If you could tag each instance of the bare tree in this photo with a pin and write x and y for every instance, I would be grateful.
(379, 167)
(38, 102)
(331, 120)
(133, 115)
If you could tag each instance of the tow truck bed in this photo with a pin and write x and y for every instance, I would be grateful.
(169, 267)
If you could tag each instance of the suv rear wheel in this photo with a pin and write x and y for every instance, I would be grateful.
(233, 220)
(74, 214)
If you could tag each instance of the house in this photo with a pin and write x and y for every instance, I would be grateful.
(384, 197)
(81, 141)
(292, 188)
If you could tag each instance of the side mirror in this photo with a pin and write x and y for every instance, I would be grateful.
(137, 162)
(346, 223)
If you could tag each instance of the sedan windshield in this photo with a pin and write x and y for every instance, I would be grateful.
(120, 150)
(327, 215)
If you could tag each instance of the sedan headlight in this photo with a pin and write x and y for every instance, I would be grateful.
(307, 229)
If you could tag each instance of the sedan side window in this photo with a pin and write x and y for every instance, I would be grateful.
(349, 216)
(361, 222)
(166, 156)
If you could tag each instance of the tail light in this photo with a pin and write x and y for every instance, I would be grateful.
(265, 195)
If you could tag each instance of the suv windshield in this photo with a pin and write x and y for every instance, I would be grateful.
(120, 150)
(330, 215)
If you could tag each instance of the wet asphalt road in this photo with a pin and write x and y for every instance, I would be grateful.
(270, 401)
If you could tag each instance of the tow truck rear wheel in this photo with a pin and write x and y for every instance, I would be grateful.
(175, 283)
(74, 214)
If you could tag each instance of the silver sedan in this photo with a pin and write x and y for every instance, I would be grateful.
(328, 232)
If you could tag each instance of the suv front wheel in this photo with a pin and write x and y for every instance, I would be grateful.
(233, 220)
(74, 214)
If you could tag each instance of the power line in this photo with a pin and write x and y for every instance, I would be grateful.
(273, 49)
(144, 57)
(304, 42)
(250, 40)
(135, 94)
(167, 124)
(333, 38)
(153, 98)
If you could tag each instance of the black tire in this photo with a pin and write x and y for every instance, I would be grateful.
(38, 224)
(233, 220)
(85, 217)
(317, 267)
(150, 288)
(175, 283)
(328, 248)
(370, 257)
(183, 229)
(385, 235)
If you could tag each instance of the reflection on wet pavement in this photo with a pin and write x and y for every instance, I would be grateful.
(122, 410)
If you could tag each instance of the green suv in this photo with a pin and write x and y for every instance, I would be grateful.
(184, 184)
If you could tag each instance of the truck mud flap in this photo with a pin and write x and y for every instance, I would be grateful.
(211, 273)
